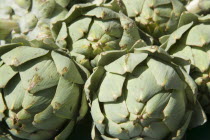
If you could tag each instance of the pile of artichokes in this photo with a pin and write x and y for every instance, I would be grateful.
(104, 69)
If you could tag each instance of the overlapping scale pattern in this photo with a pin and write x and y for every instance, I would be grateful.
(143, 95)
(41, 92)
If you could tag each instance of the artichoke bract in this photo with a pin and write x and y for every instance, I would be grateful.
(88, 30)
(142, 95)
(41, 92)
(191, 41)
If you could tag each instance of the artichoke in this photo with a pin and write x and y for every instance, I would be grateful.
(88, 30)
(191, 42)
(41, 92)
(146, 95)
(157, 17)
(31, 18)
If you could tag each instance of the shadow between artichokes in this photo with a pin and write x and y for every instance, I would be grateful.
(191, 41)
(88, 30)
(41, 92)
(142, 95)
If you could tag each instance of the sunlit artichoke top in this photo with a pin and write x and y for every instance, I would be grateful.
(192, 42)
(142, 95)
(89, 30)
(157, 17)
(40, 92)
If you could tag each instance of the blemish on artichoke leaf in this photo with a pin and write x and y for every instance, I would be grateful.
(57, 106)
(15, 62)
(35, 80)
(64, 70)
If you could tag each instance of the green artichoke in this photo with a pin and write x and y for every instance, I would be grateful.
(89, 30)
(31, 18)
(142, 95)
(191, 41)
(41, 92)
(156, 17)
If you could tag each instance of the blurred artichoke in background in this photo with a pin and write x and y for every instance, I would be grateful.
(191, 41)
(31, 18)
(142, 95)
(89, 30)
(41, 92)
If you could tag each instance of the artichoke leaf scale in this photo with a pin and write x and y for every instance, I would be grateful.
(177, 35)
(162, 13)
(198, 36)
(20, 134)
(66, 68)
(65, 101)
(175, 110)
(154, 131)
(44, 115)
(62, 37)
(154, 107)
(201, 59)
(47, 119)
(165, 75)
(10, 121)
(133, 9)
(97, 115)
(79, 28)
(84, 47)
(24, 116)
(112, 28)
(116, 131)
(35, 103)
(66, 131)
(102, 13)
(42, 9)
(116, 112)
(134, 129)
(156, 3)
(53, 123)
(14, 94)
(184, 52)
(133, 105)
(115, 83)
(139, 89)
(6, 74)
(40, 75)
(126, 63)
(96, 31)
(15, 57)
(184, 127)
(29, 128)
